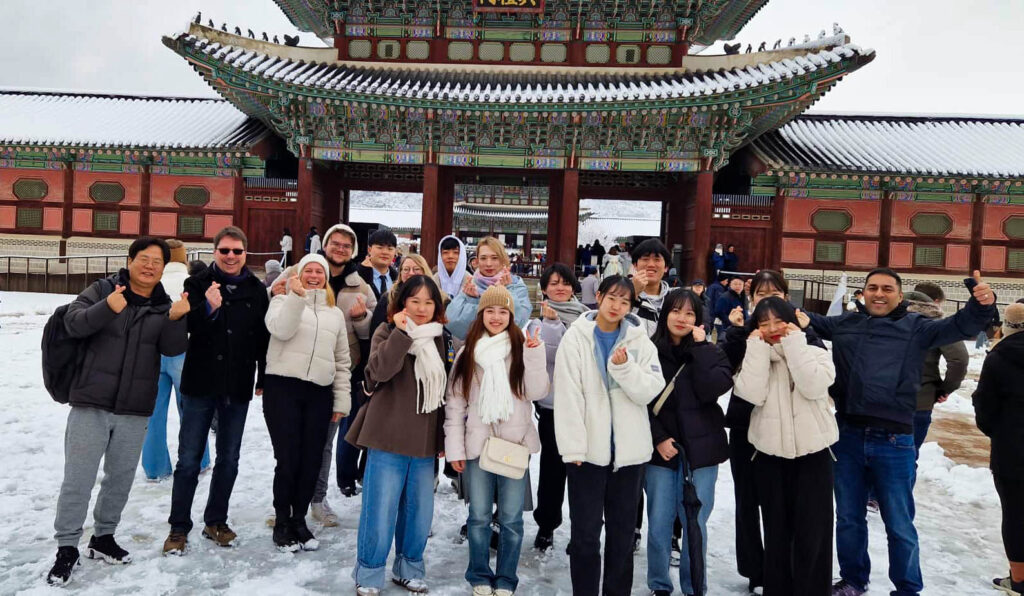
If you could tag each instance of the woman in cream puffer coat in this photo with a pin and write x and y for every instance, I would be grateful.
(792, 427)
(306, 386)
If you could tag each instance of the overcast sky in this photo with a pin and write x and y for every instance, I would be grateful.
(934, 56)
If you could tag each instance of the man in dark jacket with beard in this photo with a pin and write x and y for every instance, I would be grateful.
(126, 322)
(878, 356)
(227, 349)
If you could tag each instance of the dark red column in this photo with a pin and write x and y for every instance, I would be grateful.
(429, 215)
(553, 240)
(68, 204)
(673, 218)
(569, 217)
(885, 230)
(700, 224)
(304, 210)
(778, 227)
(144, 200)
(977, 231)
(345, 204)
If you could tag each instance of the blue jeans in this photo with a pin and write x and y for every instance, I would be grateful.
(483, 489)
(922, 420)
(398, 504)
(156, 460)
(981, 341)
(664, 488)
(885, 460)
(196, 416)
(347, 454)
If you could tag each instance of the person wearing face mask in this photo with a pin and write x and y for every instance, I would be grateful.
(559, 311)
(792, 427)
(452, 267)
(496, 375)
(377, 269)
(401, 428)
(492, 269)
(306, 387)
(878, 356)
(409, 266)
(606, 372)
(691, 417)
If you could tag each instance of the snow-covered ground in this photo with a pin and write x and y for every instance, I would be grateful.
(958, 512)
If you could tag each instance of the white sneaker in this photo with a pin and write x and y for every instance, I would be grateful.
(503, 592)
(483, 591)
(366, 591)
(323, 513)
(417, 586)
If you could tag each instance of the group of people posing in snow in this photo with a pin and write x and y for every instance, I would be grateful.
(414, 364)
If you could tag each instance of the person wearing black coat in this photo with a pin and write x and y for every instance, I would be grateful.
(691, 417)
(728, 300)
(227, 350)
(125, 322)
(999, 412)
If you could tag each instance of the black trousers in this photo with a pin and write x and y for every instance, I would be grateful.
(298, 414)
(1011, 496)
(749, 547)
(551, 484)
(598, 496)
(796, 500)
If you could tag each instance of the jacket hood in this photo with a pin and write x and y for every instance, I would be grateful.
(926, 309)
(342, 228)
(630, 321)
(1012, 347)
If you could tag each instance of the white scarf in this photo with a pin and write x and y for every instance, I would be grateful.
(496, 399)
(431, 378)
(451, 284)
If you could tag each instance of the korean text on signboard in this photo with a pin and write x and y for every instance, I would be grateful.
(536, 6)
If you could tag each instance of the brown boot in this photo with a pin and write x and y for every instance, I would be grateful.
(175, 544)
(221, 534)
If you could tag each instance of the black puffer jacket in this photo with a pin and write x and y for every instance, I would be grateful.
(999, 405)
(226, 350)
(691, 414)
(121, 362)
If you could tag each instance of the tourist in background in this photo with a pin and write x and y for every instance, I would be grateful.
(313, 243)
(689, 417)
(878, 358)
(732, 298)
(792, 427)
(227, 352)
(451, 270)
(272, 270)
(377, 269)
(588, 288)
(307, 385)
(606, 372)
(493, 268)
(856, 302)
(401, 429)
(496, 375)
(558, 312)
(126, 323)
(999, 412)
(716, 261)
(597, 252)
(611, 263)
(156, 459)
(731, 259)
(286, 247)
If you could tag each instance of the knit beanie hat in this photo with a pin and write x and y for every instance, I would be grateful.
(313, 258)
(496, 296)
(272, 266)
(178, 254)
(1013, 319)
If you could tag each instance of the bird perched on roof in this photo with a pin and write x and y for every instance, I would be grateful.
(778, 44)
(238, 30)
(276, 40)
(792, 41)
(199, 18)
(836, 29)
(749, 48)
(291, 40)
(763, 46)
(211, 24)
(251, 34)
(731, 49)
(807, 37)
(224, 27)
(821, 34)
(265, 38)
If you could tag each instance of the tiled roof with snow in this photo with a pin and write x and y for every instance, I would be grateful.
(65, 119)
(927, 145)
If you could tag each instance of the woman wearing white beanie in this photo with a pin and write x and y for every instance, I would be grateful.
(306, 387)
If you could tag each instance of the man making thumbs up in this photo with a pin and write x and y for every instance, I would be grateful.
(126, 322)
(879, 356)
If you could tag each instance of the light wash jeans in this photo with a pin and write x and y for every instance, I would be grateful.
(156, 459)
(484, 489)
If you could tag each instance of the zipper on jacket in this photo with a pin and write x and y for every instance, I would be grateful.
(316, 331)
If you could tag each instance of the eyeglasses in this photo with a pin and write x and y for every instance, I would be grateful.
(235, 251)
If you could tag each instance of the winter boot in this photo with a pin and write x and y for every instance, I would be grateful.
(304, 537)
(104, 547)
(221, 534)
(673, 557)
(636, 542)
(543, 542)
(63, 567)
(284, 537)
(1006, 584)
(844, 588)
(323, 513)
(176, 543)
(350, 491)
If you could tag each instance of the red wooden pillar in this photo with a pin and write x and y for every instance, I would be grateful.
(569, 219)
(553, 241)
(700, 203)
(238, 200)
(345, 204)
(673, 219)
(430, 222)
(977, 230)
(68, 204)
(778, 227)
(304, 208)
(332, 198)
(144, 200)
(528, 249)
(885, 229)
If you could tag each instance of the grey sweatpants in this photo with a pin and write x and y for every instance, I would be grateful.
(92, 434)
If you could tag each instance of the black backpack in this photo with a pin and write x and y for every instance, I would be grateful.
(61, 356)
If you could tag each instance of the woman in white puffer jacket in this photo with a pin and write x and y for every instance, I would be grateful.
(306, 387)
(791, 428)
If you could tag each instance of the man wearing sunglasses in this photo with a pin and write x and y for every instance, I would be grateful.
(227, 349)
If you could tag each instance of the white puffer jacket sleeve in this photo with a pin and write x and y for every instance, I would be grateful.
(570, 405)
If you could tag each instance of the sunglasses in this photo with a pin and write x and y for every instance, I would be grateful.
(226, 251)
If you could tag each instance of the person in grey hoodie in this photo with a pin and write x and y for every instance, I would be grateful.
(559, 310)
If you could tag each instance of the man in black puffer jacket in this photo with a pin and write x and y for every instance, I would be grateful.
(126, 322)
(227, 349)
(879, 355)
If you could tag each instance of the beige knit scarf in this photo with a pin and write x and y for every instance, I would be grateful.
(429, 368)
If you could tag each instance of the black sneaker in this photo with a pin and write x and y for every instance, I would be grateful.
(543, 542)
(495, 540)
(104, 547)
(350, 491)
(661, 592)
(304, 537)
(284, 537)
(60, 573)
(636, 541)
(463, 534)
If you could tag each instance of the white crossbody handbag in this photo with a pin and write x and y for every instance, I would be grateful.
(504, 458)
